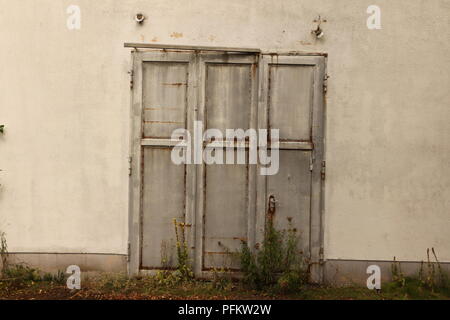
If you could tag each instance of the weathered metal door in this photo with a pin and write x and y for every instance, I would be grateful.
(226, 192)
(164, 99)
(223, 204)
(292, 101)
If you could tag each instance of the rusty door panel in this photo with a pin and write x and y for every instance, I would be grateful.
(292, 99)
(163, 199)
(228, 96)
(229, 102)
(290, 102)
(291, 189)
(226, 214)
(165, 87)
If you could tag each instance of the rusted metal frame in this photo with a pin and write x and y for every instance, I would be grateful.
(191, 174)
(317, 218)
(293, 53)
(252, 169)
(283, 145)
(190, 48)
(135, 183)
(323, 118)
(293, 60)
(224, 58)
(200, 172)
(263, 123)
(151, 142)
(160, 56)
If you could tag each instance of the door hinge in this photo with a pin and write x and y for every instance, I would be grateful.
(325, 83)
(311, 162)
(130, 166)
(131, 73)
(321, 256)
(323, 171)
(128, 252)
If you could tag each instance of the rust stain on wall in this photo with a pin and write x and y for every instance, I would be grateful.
(176, 35)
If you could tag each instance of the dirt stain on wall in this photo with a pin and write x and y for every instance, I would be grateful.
(176, 34)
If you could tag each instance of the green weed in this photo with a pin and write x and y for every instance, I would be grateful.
(278, 264)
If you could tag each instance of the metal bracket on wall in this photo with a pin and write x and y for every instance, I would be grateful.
(323, 171)
(131, 73)
(130, 168)
(321, 256)
(325, 83)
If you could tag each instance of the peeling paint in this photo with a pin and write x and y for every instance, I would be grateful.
(176, 35)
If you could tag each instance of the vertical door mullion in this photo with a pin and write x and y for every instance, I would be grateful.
(191, 170)
(200, 170)
(316, 184)
(252, 169)
(262, 124)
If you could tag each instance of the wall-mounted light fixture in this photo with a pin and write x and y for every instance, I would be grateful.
(139, 17)
(318, 32)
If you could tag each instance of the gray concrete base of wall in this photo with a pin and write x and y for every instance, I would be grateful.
(336, 272)
(88, 262)
(353, 272)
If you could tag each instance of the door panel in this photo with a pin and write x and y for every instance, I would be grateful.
(163, 200)
(226, 218)
(291, 88)
(228, 96)
(164, 98)
(292, 99)
(229, 101)
(291, 188)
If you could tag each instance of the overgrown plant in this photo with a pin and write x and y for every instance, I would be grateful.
(4, 253)
(221, 279)
(22, 272)
(183, 264)
(397, 274)
(431, 279)
(59, 278)
(278, 264)
(432, 276)
(2, 130)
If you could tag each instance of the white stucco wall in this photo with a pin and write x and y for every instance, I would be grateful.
(65, 102)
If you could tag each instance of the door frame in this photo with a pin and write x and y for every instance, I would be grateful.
(192, 214)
